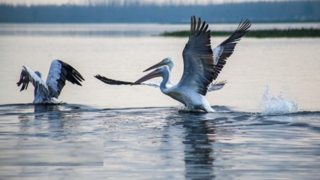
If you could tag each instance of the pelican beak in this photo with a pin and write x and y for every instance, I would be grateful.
(151, 75)
(155, 66)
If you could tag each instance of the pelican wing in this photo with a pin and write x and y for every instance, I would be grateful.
(216, 86)
(155, 84)
(226, 48)
(28, 75)
(117, 82)
(198, 70)
(58, 74)
(111, 81)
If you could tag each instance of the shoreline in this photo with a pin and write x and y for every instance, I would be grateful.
(274, 33)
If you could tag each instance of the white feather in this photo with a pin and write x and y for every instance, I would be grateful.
(53, 76)
(35, 77)
(216, 86)
(41, 91)
(217, 51)
(151, 83)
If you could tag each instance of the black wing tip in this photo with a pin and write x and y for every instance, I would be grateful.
(78, 77)
(244, 26)
(198, 28)
(73, 75)
(76, 80)
(24, 79)
(98, 76)
(78, 83)
(22, 87)
(236, 36)
(111, 81)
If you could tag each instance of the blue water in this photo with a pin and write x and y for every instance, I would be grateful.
(72, 141)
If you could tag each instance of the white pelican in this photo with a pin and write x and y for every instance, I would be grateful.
(201, 66)
(47, 92)
(165, 62)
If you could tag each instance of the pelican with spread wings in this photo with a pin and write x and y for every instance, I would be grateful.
(201, 66)
(220, 54)
(47, 92)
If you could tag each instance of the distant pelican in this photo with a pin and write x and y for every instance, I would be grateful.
(47, 92)
(201, 66)
(165, 62)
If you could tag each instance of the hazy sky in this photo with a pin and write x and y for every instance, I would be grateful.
(31, 2)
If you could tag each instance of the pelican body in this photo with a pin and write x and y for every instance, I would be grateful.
(47, 92)
(192, 100)
(201, 66)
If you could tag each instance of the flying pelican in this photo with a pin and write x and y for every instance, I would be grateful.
(165, 62)
(47, 92)
(201, 66)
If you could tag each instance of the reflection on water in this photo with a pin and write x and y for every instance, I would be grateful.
(161, 143)
(49, 136)
(45, 108)
(49, 121)
(199, 152)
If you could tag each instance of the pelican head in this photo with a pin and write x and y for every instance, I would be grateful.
(38, 73)
(156, 73)
(168, 61)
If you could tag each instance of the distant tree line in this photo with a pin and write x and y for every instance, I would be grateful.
(272, 33)
(232, 12)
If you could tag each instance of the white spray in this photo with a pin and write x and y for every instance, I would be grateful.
(275, 105)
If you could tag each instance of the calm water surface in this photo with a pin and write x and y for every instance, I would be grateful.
(124, 132)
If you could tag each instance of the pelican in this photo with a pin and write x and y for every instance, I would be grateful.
(47, 93)
(165, 62)
(201, 66)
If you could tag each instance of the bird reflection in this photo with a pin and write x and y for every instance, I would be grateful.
(51, 137)
(55, 122)
(198, 145)
(39, 108)
(198, 148)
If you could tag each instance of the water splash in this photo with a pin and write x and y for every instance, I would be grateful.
(275, 105)
(182, 108)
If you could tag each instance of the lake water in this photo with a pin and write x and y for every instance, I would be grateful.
(267, 123)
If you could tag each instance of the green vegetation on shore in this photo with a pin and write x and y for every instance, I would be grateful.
(274, 33)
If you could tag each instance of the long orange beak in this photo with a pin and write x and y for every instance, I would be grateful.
(155, 66)
(151, 75)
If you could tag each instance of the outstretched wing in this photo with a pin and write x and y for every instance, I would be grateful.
(111, 81)
(117, 82)
(198, 70)
(58, 74)
(226, 48)
(216, 86)
(28, 75)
